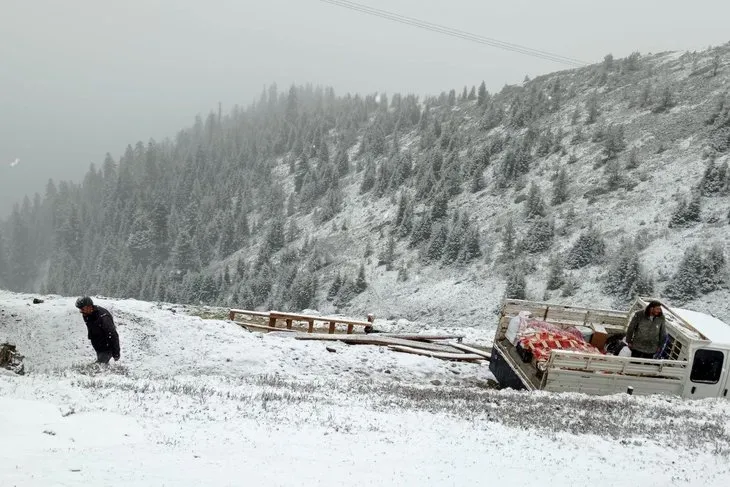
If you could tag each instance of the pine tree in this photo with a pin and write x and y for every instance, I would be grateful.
(454, 241)
(534, 204)
(666, 101)
(592, 109)
(388, 255)
(275, 238)
(435, 249)
(631, 63)
(556, 273)
(713, 180)
(471, 248)
(588, 249)
(482, 96)
(303, 290)
(560, 188)
(614, 142)
(516, 286)
(406, 224)
(335, 287)
(141, 239)
(508, 240)
(421, 231)
(3, 262)
(20, 258)
(614, 176)
(539, 236)
(452, 98)
(360, 282)
(368, 177)
(686, 213)
(184, 254)
(440, 206)
(403, 202)
(714, 269)
(645, 96)
(686, 283)
(626, 277)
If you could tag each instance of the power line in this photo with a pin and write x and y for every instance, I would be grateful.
(457, 33)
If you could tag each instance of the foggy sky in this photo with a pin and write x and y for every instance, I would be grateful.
(79, 78)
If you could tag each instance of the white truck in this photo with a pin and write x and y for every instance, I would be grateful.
(695, 361)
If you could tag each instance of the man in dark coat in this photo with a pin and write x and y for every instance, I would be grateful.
(647, 331)
(102, 332)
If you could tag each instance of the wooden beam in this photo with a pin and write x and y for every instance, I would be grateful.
(263, 327)
(288, 323)
(248, 312)
(301, 317)
(377, 340)
(416, 336)
(441, 355)
(349, 328)
(476, 351)
(332, 327)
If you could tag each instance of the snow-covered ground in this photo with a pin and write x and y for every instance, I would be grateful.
(204, 402)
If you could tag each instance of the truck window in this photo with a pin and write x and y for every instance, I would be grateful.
(707, 366)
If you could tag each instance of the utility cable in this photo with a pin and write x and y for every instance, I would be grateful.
(456, 33)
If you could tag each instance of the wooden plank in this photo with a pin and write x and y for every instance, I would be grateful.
(263, 327)
(524, 303)
(476, 351)
(249, 312)
(332, 327)
(441, 355)
(310, 328)
(288, 323)
(377, 340)
(416, 336)
(350, 328)
(561, 313)
(301, 317)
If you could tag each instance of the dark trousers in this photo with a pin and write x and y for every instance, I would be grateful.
(638, 354)
(103, 357)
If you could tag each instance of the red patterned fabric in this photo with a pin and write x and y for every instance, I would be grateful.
(541, 340)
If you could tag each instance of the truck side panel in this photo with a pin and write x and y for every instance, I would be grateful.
(602, 384)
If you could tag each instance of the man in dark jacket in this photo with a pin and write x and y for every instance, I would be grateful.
(102, 332)
(647, 331)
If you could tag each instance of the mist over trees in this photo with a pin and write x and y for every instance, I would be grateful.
(254, 207)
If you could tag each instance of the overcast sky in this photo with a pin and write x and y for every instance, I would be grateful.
(79, 78)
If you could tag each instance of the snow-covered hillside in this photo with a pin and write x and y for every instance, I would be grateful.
(674, 148)
(204, 402)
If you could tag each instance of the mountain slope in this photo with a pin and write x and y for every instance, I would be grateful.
(430, 211)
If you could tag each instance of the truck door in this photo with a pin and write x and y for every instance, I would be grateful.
(707, 377)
